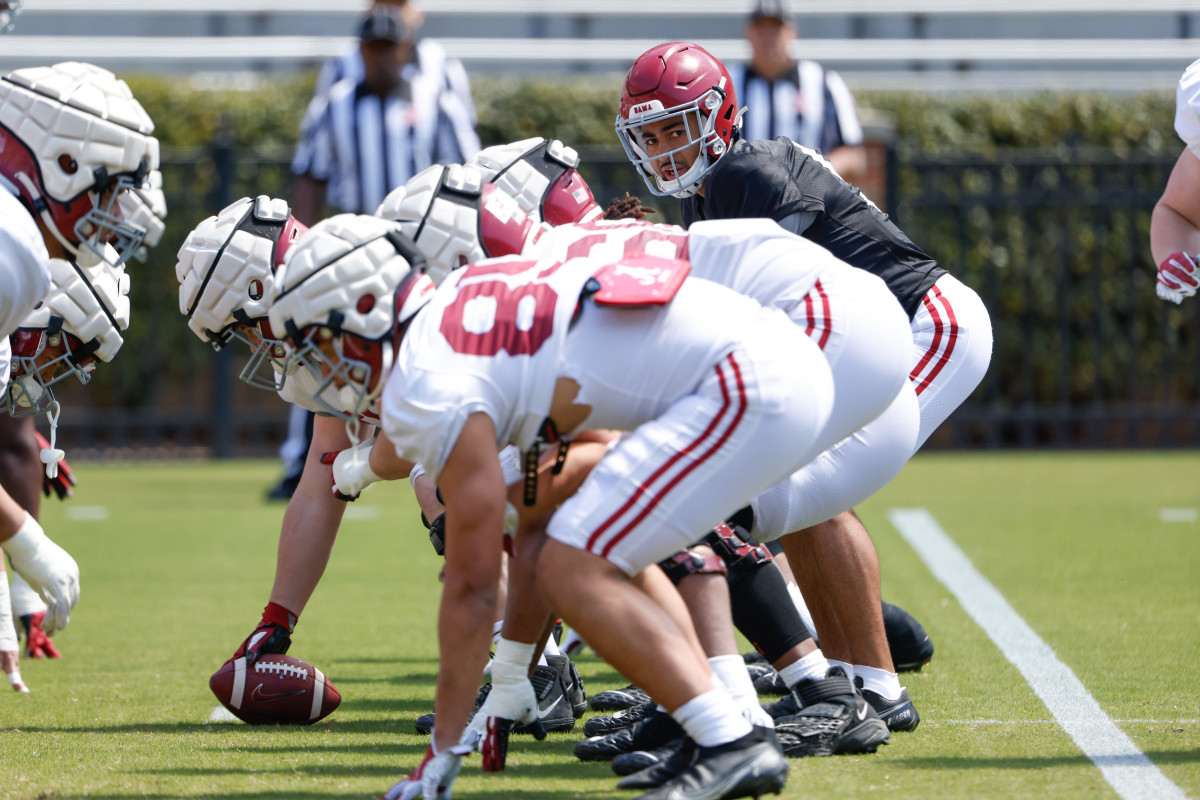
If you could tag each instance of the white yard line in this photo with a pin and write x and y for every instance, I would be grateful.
(87, 513)
(1123, 765)
(1178, 515)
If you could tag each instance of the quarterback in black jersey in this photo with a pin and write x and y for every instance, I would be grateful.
(679, 123)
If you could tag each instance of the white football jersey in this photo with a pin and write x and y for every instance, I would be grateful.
(1187, 108)
(24, 272)
(754, 257)
(495, 339)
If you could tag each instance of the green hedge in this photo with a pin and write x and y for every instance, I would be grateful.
(967, 234)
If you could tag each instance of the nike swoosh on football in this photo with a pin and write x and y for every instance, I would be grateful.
(259, 696)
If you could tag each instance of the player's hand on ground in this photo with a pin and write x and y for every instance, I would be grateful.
(50, 571)
(11, 667)
(434, 779)
(508, 703)
(351, 470)
(37, 643)
(266, 638)
(1178, 277)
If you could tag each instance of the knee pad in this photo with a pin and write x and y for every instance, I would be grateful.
(687, 562)
(740, 553)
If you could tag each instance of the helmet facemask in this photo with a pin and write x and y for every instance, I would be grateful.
(268, 365)
(348, 366)
(699, 125)
(41, 358)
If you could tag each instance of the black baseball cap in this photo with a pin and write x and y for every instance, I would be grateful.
(384, 24)
(771, 9)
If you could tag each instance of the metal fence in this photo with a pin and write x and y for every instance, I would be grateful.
(1056, 243)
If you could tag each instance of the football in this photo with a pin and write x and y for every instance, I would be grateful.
(276, 690)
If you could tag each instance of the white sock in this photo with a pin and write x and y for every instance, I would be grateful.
(802, 608)
(731, 673)
(24, 599)
(571, 640)
(846, 668)
(882, 682)
(812, 667)
(551, 649)
(8, 633)
(712, 718)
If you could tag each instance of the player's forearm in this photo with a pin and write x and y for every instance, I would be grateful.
(385, 463)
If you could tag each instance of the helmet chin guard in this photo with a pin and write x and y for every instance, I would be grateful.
(334, 299)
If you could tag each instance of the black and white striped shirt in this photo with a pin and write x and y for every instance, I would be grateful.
(810, 106)
(364, 145)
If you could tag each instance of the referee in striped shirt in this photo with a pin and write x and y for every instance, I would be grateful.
(797, 99)
(370, 132)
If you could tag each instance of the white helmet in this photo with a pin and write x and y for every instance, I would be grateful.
(225, 270)
(340, 296)
(80, 320)
(543, 178)
(146, 207)
(72, 139)
(8, 14)
(455, 218)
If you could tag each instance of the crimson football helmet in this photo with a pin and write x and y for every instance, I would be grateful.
(678, 80)
(543, 177)
(456, 218)
(72, 140)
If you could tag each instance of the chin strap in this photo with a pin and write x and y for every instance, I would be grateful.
(43, 211)
(50, 456)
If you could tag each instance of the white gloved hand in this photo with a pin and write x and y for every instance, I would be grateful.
(1178, 278)
(512, 700)
(351, 470)
(434, 779)
(49, 569)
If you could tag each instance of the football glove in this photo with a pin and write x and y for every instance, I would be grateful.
(48, 569)
(62, 483)
(434, 778)
(511, 700)
(37, 643)
(1177, 278)
(351, 470)
(266, 638)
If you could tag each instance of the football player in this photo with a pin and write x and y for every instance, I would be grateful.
(225, 269)
(1175, 223)
(707, 401)
(679, 123)
(60, 188)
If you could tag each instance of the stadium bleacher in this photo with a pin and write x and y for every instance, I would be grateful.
(920, 44)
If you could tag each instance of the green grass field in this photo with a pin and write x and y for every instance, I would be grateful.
(175, 574)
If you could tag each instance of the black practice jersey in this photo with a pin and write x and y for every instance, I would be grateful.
(778, 178)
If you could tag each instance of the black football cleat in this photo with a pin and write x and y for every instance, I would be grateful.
(554, 705)
(641, 760)
(899, 714)
(785, 706)
(619, 699)
(674, 758)
(601, 726)
(424, 723)
(747, 767)
(575, 689)
(766, 680)
(834, 720)
(647, 734)
(909, 643)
